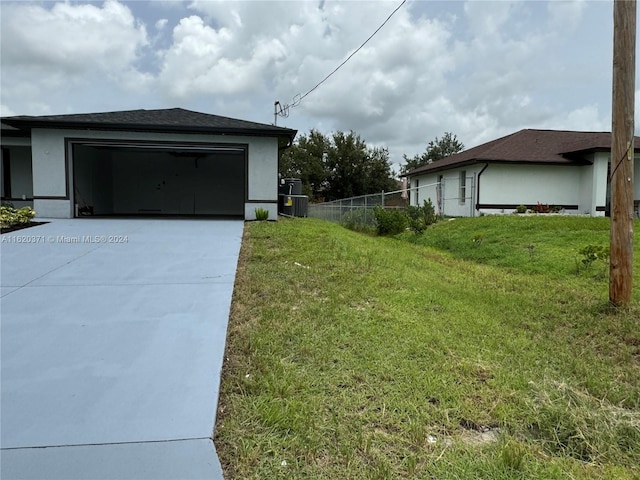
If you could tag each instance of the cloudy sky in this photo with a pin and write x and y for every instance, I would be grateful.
(479, 69)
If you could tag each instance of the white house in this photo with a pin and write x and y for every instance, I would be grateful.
(564, 169)
(141, 162)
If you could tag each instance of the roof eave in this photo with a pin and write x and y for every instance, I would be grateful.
(434, 167)
(28, 124)
(439, 168)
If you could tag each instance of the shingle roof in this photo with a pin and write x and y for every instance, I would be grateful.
(530, 146)
(165, 120)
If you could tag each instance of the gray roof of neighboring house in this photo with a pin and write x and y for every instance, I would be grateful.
(529, 146)
(163, 120)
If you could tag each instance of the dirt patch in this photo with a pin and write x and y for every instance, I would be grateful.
(480, 437)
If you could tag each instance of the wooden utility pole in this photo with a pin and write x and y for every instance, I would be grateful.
(622, 152)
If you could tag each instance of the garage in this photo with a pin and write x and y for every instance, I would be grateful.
(166, 162)
(153, 179)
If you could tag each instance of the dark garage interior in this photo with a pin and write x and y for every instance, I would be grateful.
(126, 179)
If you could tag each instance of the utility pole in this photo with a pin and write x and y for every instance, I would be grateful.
(622, 152)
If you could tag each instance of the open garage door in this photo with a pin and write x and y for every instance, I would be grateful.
(158, 179)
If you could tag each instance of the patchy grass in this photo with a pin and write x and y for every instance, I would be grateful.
(351, 356)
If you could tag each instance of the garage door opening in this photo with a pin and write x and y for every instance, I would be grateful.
(174, 180)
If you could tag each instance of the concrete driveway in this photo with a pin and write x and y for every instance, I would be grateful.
(113, 334)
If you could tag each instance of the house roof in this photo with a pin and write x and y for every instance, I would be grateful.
(164, 120)
(9, 131)
(558, 147)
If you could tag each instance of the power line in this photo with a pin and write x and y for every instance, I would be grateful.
(283, 110)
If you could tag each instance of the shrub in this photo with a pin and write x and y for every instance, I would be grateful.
(390, 222)
(262, 214)
(592, 253)
(542, 208)
(521, 209)
(10, 216)
(419, 218)
(429, 212)
(556, 209)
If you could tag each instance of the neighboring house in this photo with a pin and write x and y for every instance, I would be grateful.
(142, 162)
(568, 170)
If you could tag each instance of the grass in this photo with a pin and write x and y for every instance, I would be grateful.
(463, 353)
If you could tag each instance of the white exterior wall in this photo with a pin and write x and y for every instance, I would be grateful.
(595, 185)
(422, 188)
(529, 184)
(446, 197)
(50, 170)
(510, 185)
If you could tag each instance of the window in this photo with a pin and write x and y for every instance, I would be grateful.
(463, 187)
(6, 173)
(417, 192)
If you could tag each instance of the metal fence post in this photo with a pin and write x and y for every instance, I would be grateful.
(365, 211)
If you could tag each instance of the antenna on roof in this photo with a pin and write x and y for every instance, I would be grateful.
(278, 109)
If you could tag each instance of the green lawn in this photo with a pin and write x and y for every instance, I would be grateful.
(479, 350)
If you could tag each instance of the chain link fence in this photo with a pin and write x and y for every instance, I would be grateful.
(449, 196)
(359, 210)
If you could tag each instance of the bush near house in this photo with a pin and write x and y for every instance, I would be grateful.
(391, 221)
(11, 217)
(421, 217)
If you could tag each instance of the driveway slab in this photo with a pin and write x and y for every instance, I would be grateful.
(113, 335)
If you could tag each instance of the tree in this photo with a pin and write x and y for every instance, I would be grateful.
(337, 166)
(305, 160)
(355, 169)
(436, 150)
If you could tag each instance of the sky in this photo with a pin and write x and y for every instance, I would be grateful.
(478, 69)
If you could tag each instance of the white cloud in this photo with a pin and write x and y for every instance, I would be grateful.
(160, 24)
(566, 14)
(587, 118)
(70, 38)
(59, 53)
(197, 61)
(6, 111)
(478, 69)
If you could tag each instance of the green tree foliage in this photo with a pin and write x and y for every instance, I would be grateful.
(436, 150)
(337, 166)
(306, 160)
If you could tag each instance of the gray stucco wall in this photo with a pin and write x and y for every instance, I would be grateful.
(53, 176)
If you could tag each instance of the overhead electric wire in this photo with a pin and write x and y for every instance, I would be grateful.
(299, 98)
